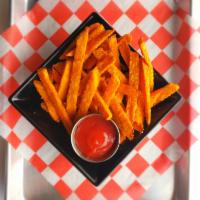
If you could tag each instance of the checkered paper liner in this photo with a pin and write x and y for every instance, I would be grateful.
(174, 42)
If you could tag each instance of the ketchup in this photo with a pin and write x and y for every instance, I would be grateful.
(96, 138)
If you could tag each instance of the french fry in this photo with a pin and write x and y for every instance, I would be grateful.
(112, 87)
(105, 46)
(134, 70)
(54, 98)
(145, 54)
(44, 107)
(162, 93)
(127, 38)
(139, 115)
(126, 89)
(88, 93)
(99, 53)
(55, 76)
(125, 51)
(99, 105)
(49, 106)
(105, 64)
(114, 70)
(122, 120)
(97, 41)
(72, 96)
(64, 82)
(59, 67)
(102, 85)
(90, 63)
(112, 42)
(145, 84)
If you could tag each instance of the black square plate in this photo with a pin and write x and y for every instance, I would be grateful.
(27, 101)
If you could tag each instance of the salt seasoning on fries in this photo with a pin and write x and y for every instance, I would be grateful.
(91, 79)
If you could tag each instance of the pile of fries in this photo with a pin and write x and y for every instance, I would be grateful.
(90, 78)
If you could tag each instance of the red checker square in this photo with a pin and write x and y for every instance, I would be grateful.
(11, 116)
(35, 38)
(142, 143)
(13, 140)
(162, 62)
(136, 12)
(111, 12)
(10, 61)
(186, 140)
(9, 86)
(136, 190)
(184, 33)
(162, 38)
(63, 189)
(162, 139)
(181, 13)
(187, 113)
(162, 163)
(59, 36)
(60, 165)
(37, 14)
(137, 33)
(187, 86)
(137, 165)
(35, 140)
(112, 190)
(61, 13)
(85, 9)
(116, 169)
(167, 118)
(38, 163)
(34, 61)
(86, 190)
(162, 12)
(12, 35)
(185, 59)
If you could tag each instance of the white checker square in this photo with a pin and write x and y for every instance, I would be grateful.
(193, 44)
(25, 151)
(149, 5)
(174, 74)
(47, 49)
(48, 152)
(154, 50)
(175, 127)
(71, 24)
(23, 128)
(150, 147)
(4, 75)
(194, 99)
(50, 175)
(124, 177)
(23, 50)
(73, 5)
(171, 4)
(148, 177)
(48, 6)
(194, 127)
(98, 196)
(149, 25)
(192, 21)
(73, 196)
(173, 49)
(5, 130)
(5, 46)
(4, 103)
(124, 196)
(179, 105)
(128, 157)
(123, 25)
(48, 26)
(174, 152)
(21, 74)
(124, 5)
(99, 5)
(194, 71)
(173, 24)
(25, 25)
(73, 178)
(154, 130)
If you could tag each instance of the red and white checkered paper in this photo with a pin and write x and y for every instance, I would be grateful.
(174, 42)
